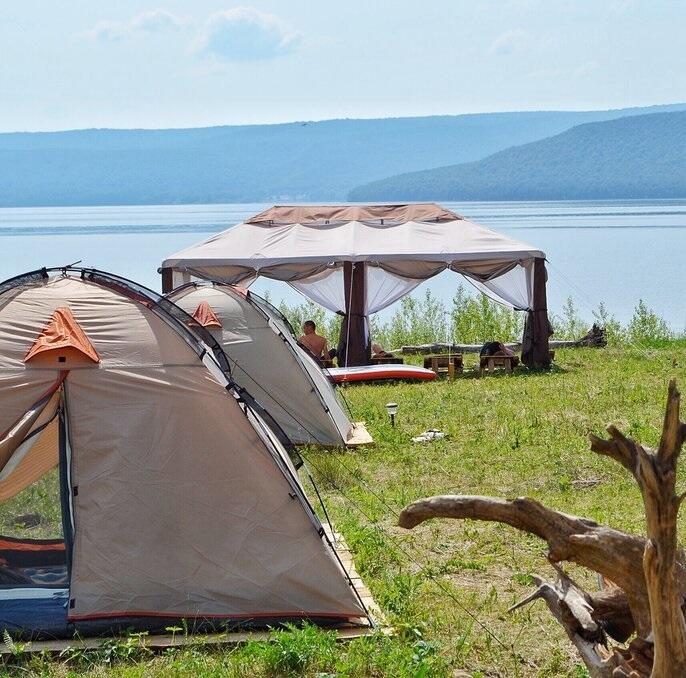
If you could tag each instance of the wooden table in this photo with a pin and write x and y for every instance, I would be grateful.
(444, 364)
(390, 360)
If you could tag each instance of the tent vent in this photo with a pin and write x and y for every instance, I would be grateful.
(62, 342)
(205, 316)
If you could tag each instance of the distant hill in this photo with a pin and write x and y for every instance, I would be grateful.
(632, 157)
(295, 161)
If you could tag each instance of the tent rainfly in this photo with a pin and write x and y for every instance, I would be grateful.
(358, 259)
(177, 500)
(266, 360)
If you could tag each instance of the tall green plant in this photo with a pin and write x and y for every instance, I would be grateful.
(569, 324)
(646, 327)
(477, 319)
(474, 319)
(614, 332)
(328, 324)
(416, 321)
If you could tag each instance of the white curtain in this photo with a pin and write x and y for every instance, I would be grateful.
(326, 289)
(384, 288)
(514, 289)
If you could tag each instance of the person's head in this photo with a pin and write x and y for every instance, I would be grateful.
(309, 327)
(376, 348)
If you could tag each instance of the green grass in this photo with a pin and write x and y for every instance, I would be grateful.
(446, 586)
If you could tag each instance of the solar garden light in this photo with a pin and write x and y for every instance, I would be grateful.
(392, 409)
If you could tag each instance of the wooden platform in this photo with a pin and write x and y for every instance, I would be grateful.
(365, 594)
(359, 436)
(343, 632)
(388, 360)
(450, 364)
(490, 362)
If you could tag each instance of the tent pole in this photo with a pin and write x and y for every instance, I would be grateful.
(535, 346)
(353, 337)
(167, 280)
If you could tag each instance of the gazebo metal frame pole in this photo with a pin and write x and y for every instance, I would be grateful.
(353, 339)
(167, 280)
(535, 345)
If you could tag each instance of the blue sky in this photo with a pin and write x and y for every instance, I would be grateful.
(91, 63)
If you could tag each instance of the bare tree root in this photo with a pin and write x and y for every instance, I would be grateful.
(646, 575)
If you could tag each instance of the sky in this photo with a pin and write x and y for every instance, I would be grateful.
(157, 64)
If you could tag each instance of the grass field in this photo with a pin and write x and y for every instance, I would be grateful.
(445, 587)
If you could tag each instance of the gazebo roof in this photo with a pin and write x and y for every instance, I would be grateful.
(284, 242)
(326, 214)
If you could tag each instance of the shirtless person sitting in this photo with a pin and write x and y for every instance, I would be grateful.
(313, 342)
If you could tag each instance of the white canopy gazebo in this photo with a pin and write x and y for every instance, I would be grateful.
(358, 259)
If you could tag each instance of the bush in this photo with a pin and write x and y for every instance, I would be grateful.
(569, 325)
(474, 319)
(478, 319)
(328, 323)
(417, 321)
(646, 327)
(614, 332)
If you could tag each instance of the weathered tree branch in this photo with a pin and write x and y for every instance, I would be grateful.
(571, 606)
(662, 559)
(614, 554)
(650, 571)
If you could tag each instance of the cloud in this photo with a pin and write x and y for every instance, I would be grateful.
(509, 42)
(152, 21)
(246, 34)
(106, 31)
(157, 21)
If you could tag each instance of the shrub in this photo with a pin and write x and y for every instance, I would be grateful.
(477, 319)
(646, 327)
(569, 324)
(614, 332)
(473, 318)
(328, 323)
(416, 321)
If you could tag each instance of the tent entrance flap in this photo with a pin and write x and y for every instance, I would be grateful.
(30, 448)
(34, 552)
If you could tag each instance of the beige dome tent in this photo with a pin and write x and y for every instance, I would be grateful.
(266, 360)
(178, 502)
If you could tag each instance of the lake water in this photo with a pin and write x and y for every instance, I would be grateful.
(610, 251)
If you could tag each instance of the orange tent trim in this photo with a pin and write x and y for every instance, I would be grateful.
(62, 335)
(206, 316)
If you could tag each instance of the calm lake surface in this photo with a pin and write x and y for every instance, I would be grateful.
(610, 251)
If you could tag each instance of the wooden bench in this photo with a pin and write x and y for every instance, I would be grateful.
(387, 360)
(444, 364)
(490, 362)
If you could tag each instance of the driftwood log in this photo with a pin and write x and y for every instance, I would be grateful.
(594, 338)
(645, 577)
